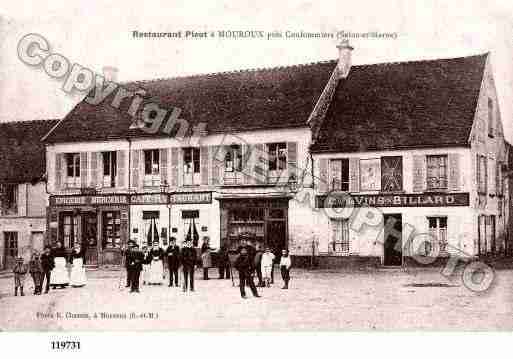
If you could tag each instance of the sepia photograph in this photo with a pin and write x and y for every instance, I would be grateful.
(256, 167)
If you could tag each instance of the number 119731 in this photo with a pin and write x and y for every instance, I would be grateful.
(65, 345)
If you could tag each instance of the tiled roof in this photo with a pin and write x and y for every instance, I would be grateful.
(280, 97)
(403, 105)
(22, 154)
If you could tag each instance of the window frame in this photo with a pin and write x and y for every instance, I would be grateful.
(191, 157)
(277, 156)
(491, 118)
(445, 178)
(109, 178)
(439, 232)
(73, 169)
(340, 185)
(9, 199)
(482, 173)
(340, 243)
(152, 179)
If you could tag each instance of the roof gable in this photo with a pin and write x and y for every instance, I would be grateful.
(403, 105)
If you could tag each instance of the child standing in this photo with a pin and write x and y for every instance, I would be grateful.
(36, 271)
(19, 270)
(285, 264)
(267, 262)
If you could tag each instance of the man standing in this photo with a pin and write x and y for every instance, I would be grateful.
(134, 264)
(173, 261)
(244, 265)
(48, 264)
(127, 256)
(188, 257)
(223, 262)
(285, 264)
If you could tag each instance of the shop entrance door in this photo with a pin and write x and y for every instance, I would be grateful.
(393, 253)
(90, 237)
(277, 237)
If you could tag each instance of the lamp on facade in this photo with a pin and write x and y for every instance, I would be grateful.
(164, 187)
(292, 184)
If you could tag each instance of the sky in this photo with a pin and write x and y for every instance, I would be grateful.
(95, 35)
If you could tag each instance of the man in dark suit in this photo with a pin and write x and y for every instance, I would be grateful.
(48, 264)
(223, 262)
(188, 257)
(173, 261)
(244, 264)
(135, 262)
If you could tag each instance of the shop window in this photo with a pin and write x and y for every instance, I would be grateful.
(69, 229)
(73, 170)
(339, 176)
(191, 166)
(233, 165)
(151, 227)
(109, 169)
(111, 229)
(247, 223)
(490, 234)
(438, 233)
(482, 174)
(190, 219)
(339, 243)
(491, 120)
(436, 172)
(391, 174)
(277, 158)
(8, 199)
(11, 244)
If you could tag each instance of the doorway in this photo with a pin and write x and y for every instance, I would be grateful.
(393, 246)
(276, 237)
(10, 249)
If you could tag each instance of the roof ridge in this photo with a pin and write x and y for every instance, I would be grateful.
(211, 74)
(422, 60)
(28, 121)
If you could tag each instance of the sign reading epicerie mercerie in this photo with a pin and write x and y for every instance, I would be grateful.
(88, 200)
(340, 200)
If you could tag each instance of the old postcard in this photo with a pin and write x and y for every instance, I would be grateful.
(256, 167)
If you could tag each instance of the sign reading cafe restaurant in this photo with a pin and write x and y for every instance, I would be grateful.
(340, 200)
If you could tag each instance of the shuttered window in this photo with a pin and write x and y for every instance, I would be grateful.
(391, 173)
(438, 233)
(151, 168)
(481, 173)
(72, 169)
(109, 166)
(191, 166)
(436, 172)
(233, 165)
(339, 175)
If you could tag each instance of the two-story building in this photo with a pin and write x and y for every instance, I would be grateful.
(23, 197)
(223, 164)
(408, 163)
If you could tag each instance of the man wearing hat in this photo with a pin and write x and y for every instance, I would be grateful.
(135, 261)
(20, 270)
(47, 262)
(130, 245)
(188, 257)
(244, 265)
(173, 261)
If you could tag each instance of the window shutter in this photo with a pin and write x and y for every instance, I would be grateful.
(59, 170)
(163, 165)
(140, 154)
(323, 175)
(180, 168)
(247, 160)
(204, 154)
(94, 169)
(292, 160)
(454, 171)
(135, 168)
(175, 153)
(215, 157)
(334, 174)
(120, 163)
(354, 175)
(83, 169)
(259, 164)
(419, 173)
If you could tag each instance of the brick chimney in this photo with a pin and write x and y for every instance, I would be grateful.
(110, 73)
(344, 58)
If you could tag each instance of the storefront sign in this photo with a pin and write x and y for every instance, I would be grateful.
(340, 200)
(154, 198)
(88, 200)
(192, 198)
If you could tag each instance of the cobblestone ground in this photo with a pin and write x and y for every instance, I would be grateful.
(316, 300)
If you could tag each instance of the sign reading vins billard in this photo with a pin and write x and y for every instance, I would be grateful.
(340, 200)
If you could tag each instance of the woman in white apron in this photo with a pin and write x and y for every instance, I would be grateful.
(78, 274)
(156, 273)
(59, 276)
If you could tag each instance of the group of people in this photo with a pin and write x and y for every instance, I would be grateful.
(50, 268)
(247, 260)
